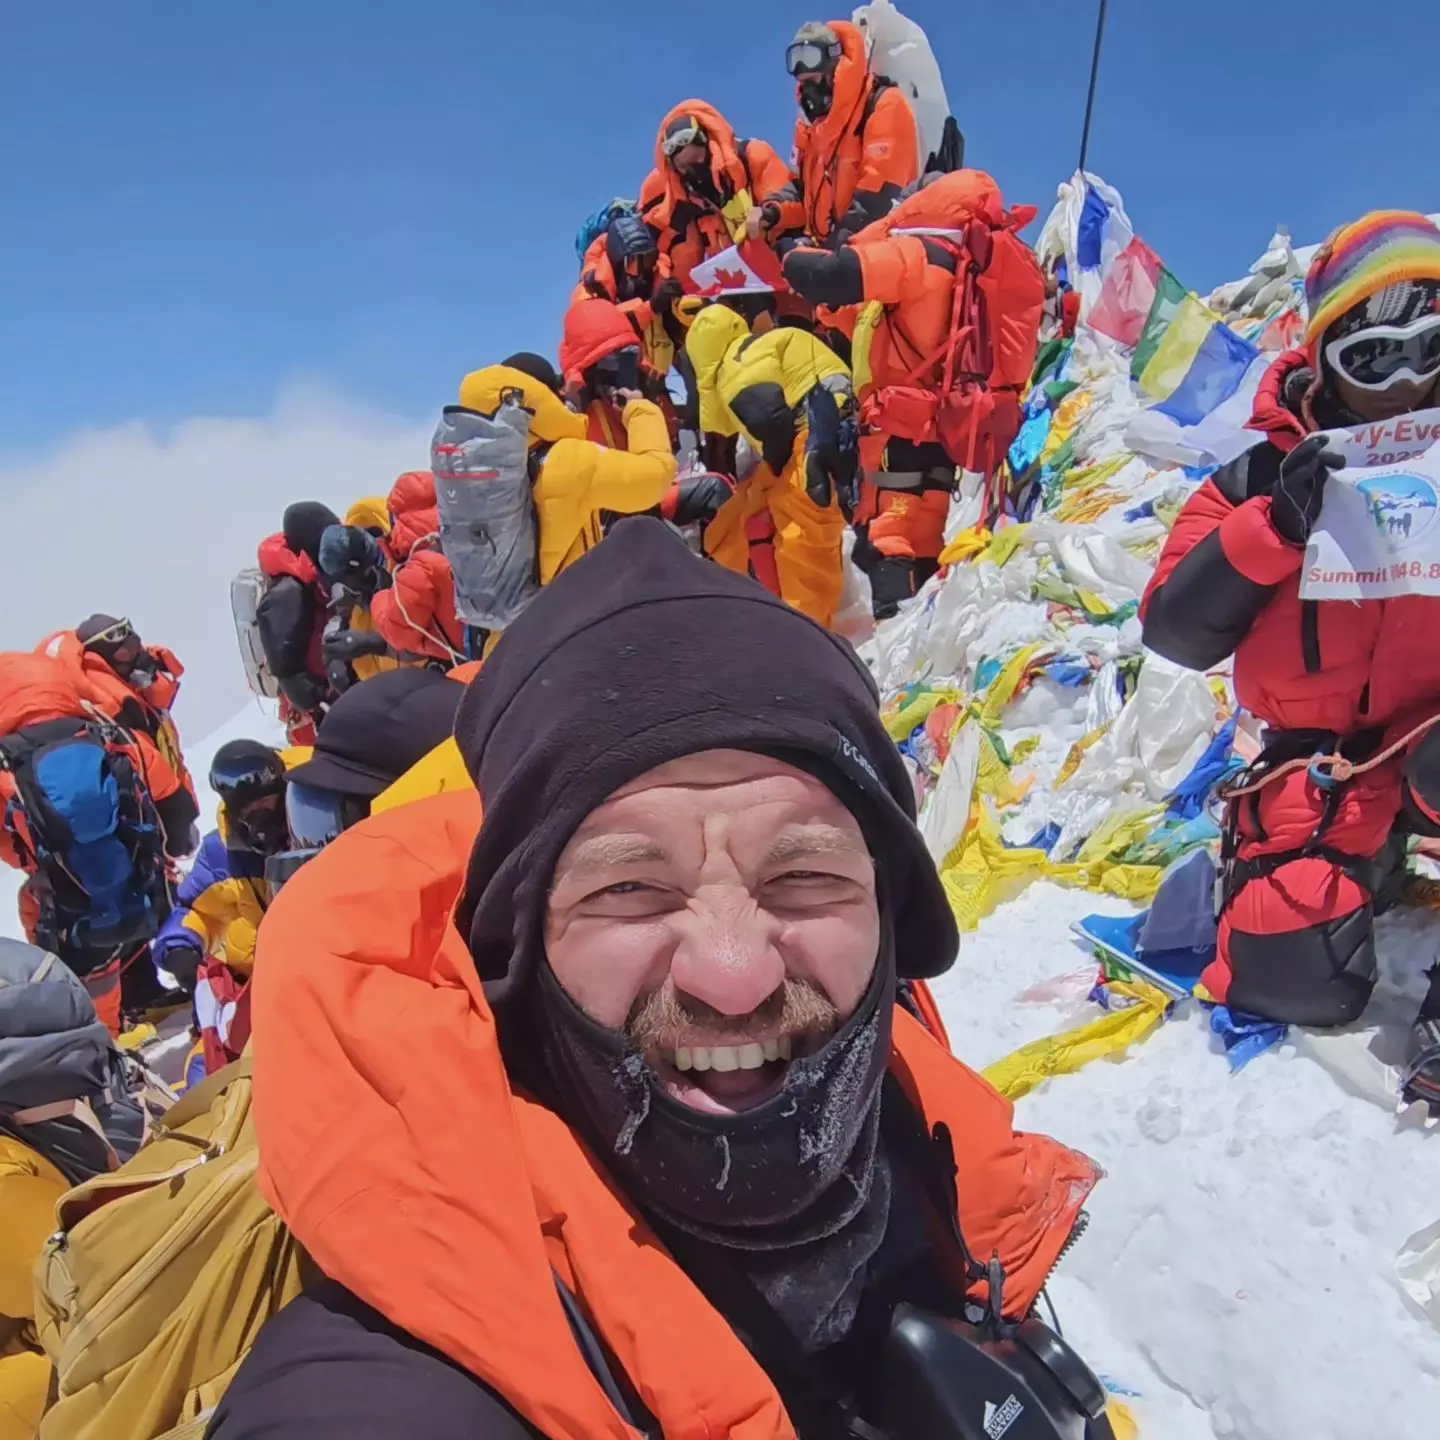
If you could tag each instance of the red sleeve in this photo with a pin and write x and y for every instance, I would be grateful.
(1217, 572)
(405, 613)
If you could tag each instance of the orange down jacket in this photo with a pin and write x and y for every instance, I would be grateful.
(416, 615)
(422, 1182)
(853, 161)
(745, 173)
(146, 711)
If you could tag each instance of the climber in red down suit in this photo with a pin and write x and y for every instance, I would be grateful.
(1310, 865)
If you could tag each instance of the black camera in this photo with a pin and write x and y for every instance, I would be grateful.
(945, 1380)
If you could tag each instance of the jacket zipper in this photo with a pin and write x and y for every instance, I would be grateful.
(1077, 1233)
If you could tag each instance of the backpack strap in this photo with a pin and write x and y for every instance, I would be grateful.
(199, 1098)
(79, 1110)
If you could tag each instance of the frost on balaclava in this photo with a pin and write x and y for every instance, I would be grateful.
(796, 1191)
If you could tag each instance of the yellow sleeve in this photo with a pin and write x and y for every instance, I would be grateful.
(804, 362)
(206, 926)
(29, 1188)
(628, 482)
(215, 910)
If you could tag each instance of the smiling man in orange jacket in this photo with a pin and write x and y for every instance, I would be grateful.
(617, 1115)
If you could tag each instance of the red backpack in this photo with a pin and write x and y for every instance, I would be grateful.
(966, 394)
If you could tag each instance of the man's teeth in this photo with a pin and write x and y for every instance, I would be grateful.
(731, 1057)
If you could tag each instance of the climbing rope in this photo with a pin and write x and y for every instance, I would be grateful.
(1330, 770)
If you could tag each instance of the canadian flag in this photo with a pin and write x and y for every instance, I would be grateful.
(751, 267)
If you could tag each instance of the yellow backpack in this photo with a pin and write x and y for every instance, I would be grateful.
(160, 1275)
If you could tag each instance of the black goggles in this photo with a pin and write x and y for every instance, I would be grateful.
(810, 57)
(241, 784)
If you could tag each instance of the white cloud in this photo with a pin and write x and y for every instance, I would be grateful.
(154, 525)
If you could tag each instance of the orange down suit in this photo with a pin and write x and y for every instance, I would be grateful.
(368, 1003)
(745, 174)
(599, 282)
(145, 712)
(416, 615)
(852, 163)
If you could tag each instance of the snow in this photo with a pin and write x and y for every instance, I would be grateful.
(1238, 1272)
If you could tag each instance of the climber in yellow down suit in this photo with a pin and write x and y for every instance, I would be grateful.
(790, 396)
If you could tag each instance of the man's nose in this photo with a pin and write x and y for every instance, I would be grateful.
(727, 955)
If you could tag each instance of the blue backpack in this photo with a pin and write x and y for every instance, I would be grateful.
(598, 222)
(85, 822)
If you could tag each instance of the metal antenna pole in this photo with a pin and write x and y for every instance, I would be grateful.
(1094, 75)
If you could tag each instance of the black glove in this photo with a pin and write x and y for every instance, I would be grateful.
(700, 496)
(667, 292)
(824, 277)
(832, 458)
(351, 644)
(303, 694)
(1300, 490)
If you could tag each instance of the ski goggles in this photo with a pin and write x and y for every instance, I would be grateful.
(116, 634)
(241, 783)
(1380, 356)
(119, 642)
(316, 817)
(810, 57)
(690, 133)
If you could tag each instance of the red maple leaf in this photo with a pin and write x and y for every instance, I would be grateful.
(730, 279)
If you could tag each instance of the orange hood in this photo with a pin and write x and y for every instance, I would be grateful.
(417, 1178)
(593, 330)
(414, 512)
(727, 168)
(852, 85)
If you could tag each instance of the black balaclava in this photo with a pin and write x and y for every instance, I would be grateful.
(637, 655)
(815, 90)
(303, 525)
(126, 656)
(627, 239)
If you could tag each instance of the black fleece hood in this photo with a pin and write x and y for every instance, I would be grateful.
(637, 655)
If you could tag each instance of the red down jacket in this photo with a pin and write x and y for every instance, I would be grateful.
(1227, 583)
(417, 615)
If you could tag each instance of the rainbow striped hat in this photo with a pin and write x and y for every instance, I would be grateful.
(1383, 248)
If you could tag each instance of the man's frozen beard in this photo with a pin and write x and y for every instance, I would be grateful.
(798, 1011)
(792, 1167)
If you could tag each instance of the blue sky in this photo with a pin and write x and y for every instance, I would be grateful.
(206, 200)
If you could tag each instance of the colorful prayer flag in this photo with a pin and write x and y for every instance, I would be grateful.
(1197, 363)
(1128, 294)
